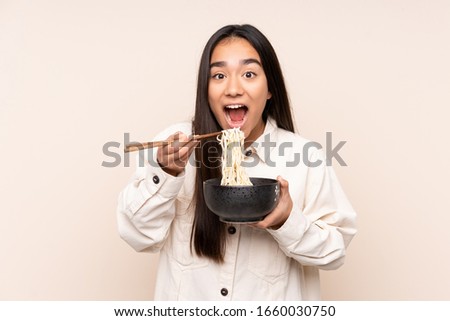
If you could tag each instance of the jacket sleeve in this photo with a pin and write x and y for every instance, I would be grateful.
(320, 228)
(146, 206)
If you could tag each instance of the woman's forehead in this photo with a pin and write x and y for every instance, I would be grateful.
(234, 50)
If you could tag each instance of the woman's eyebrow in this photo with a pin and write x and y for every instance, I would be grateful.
(217, 64)
(247, 61)
(250, 61)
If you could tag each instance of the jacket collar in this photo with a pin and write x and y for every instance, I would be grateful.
(266, 143)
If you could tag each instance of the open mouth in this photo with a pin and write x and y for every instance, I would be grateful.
(236, 114)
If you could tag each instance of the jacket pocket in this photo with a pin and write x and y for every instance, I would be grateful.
(266, 259)
(180, 247)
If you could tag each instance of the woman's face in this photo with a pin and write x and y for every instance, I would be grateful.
(237, 88)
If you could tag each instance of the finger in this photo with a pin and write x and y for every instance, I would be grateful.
(284, 186)
(174, 142)
(185, 152)
(266, 222)
(283, 183)
(273, 219)
(190, 146)
(178, 140)
(180, 156)
(164, 153)
(171, 138)
(269, 220)
(179, 146)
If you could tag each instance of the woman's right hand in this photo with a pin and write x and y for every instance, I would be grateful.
(173, 157)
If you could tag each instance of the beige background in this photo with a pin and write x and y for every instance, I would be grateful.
(75, 75)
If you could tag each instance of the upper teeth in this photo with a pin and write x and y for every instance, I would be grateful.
(234, 106)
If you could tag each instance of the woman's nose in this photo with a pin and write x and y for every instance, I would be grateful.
(234, 87)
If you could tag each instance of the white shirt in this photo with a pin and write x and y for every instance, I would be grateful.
(283, 264)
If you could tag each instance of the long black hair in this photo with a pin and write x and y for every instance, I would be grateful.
(208, 232)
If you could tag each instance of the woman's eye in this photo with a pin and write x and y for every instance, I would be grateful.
(218, 76)
(249, 74)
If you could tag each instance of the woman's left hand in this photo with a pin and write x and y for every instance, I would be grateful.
(280, 214)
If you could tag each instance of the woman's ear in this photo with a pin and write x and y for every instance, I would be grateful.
(269, 95)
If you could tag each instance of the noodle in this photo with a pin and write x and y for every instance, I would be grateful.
(232, 142)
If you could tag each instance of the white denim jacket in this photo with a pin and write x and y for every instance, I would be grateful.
(283, 264)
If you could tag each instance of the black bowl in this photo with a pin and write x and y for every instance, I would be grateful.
(242, 204)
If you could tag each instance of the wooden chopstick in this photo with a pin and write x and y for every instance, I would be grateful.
(139, 146)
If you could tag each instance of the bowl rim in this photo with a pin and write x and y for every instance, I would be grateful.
(270, 181)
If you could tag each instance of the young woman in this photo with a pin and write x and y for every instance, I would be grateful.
(240, 84)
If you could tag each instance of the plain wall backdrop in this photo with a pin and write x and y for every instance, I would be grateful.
(75, 75)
